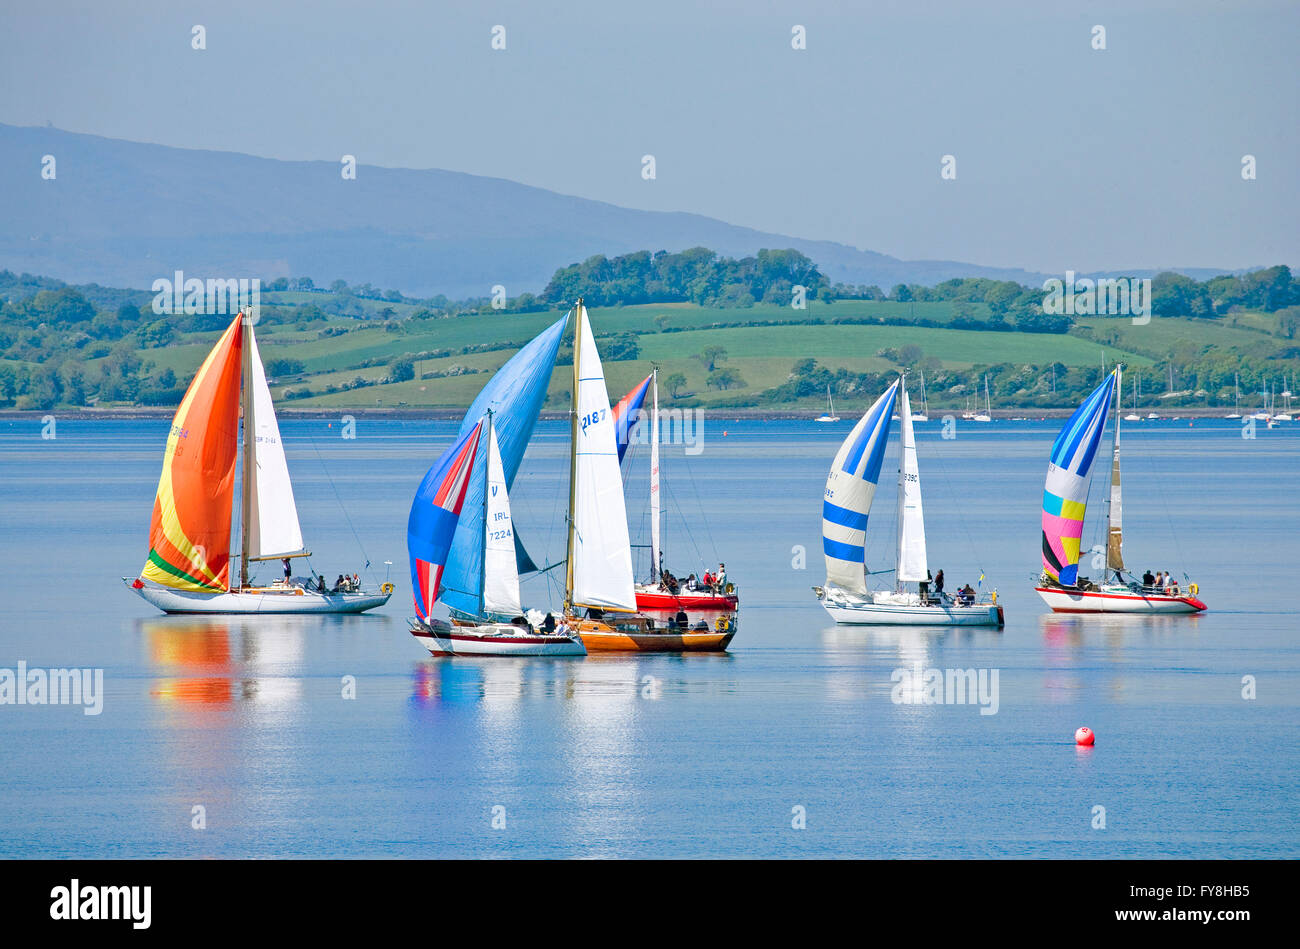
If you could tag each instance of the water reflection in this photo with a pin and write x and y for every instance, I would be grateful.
(1074, 641)
(220, 660)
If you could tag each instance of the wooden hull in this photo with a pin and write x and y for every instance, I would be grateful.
(600, 637)
(270, 600)
(1081, 601)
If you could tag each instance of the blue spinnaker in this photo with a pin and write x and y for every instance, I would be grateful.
(515, 396)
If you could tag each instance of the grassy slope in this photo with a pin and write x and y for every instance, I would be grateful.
(762, 354)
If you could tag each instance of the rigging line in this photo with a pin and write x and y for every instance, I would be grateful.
(704, 518)
(338, 497)
(965, 527)
(1178, 547)
(699, 554)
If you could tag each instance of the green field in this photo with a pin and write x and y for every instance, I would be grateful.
(762, 345)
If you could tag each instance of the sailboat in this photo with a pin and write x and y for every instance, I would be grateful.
(924, 414)
(987, 414)
(850, 489)
(435, 513)
(600, 601)
(1236, 396)
(188, 567)
(464, 550)
(654, 596)
(1065, 499)
(829, 415)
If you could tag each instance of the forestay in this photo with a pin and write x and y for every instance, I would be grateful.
(912, 565)
(500, 574)
(602, 554)
(274, 529)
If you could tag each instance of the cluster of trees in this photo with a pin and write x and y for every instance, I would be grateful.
(51, 330)
(1270, 290)
(1206, 381)
(697, 276)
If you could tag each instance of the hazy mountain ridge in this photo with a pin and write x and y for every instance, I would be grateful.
(124, 213)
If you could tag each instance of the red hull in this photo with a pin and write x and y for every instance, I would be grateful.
(689, 602)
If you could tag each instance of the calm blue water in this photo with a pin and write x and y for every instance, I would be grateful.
(662, 756)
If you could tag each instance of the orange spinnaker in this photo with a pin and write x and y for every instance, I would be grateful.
(189, 536)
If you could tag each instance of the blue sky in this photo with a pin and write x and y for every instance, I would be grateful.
(1066, 157)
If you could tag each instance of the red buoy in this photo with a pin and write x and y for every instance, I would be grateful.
(1084, 736)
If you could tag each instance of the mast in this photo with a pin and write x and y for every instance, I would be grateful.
(902, 482)
(1114, 516)
(573, 454)
(654, 481)
(487, 490)
(250, 451)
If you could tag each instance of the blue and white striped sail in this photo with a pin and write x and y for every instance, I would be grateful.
(1065, 495)
(849, 492)
(515, 396)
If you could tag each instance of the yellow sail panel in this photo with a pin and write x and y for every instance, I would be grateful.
(189, 536)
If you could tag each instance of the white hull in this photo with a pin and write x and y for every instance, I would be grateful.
(863, 612)
(1076, 601)
(494, 639)
(291, 600)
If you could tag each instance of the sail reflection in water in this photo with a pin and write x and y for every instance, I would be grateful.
(221, 660)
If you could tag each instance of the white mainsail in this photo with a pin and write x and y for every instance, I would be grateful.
(273, 529)
(654, 481)
(500, 569)
(602, 553)
(912, 565)
(850, 487)
(1114, 527)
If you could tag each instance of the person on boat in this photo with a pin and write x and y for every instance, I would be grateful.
(355, 585)
(1171, 585)
(548, 624)
(938, 584)
(924, 588)
(721, 579)
(288, 569)
(522, 623)
(682, 620)
(595, 612)
(690, 583)
(707, 581)
(1160, 580)
(338, 584)
(1148, 579)
(967, 594)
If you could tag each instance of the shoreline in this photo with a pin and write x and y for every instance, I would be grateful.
(755, 414)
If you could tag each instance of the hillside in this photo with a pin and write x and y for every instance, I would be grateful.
(762, 357)
(124, 213)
